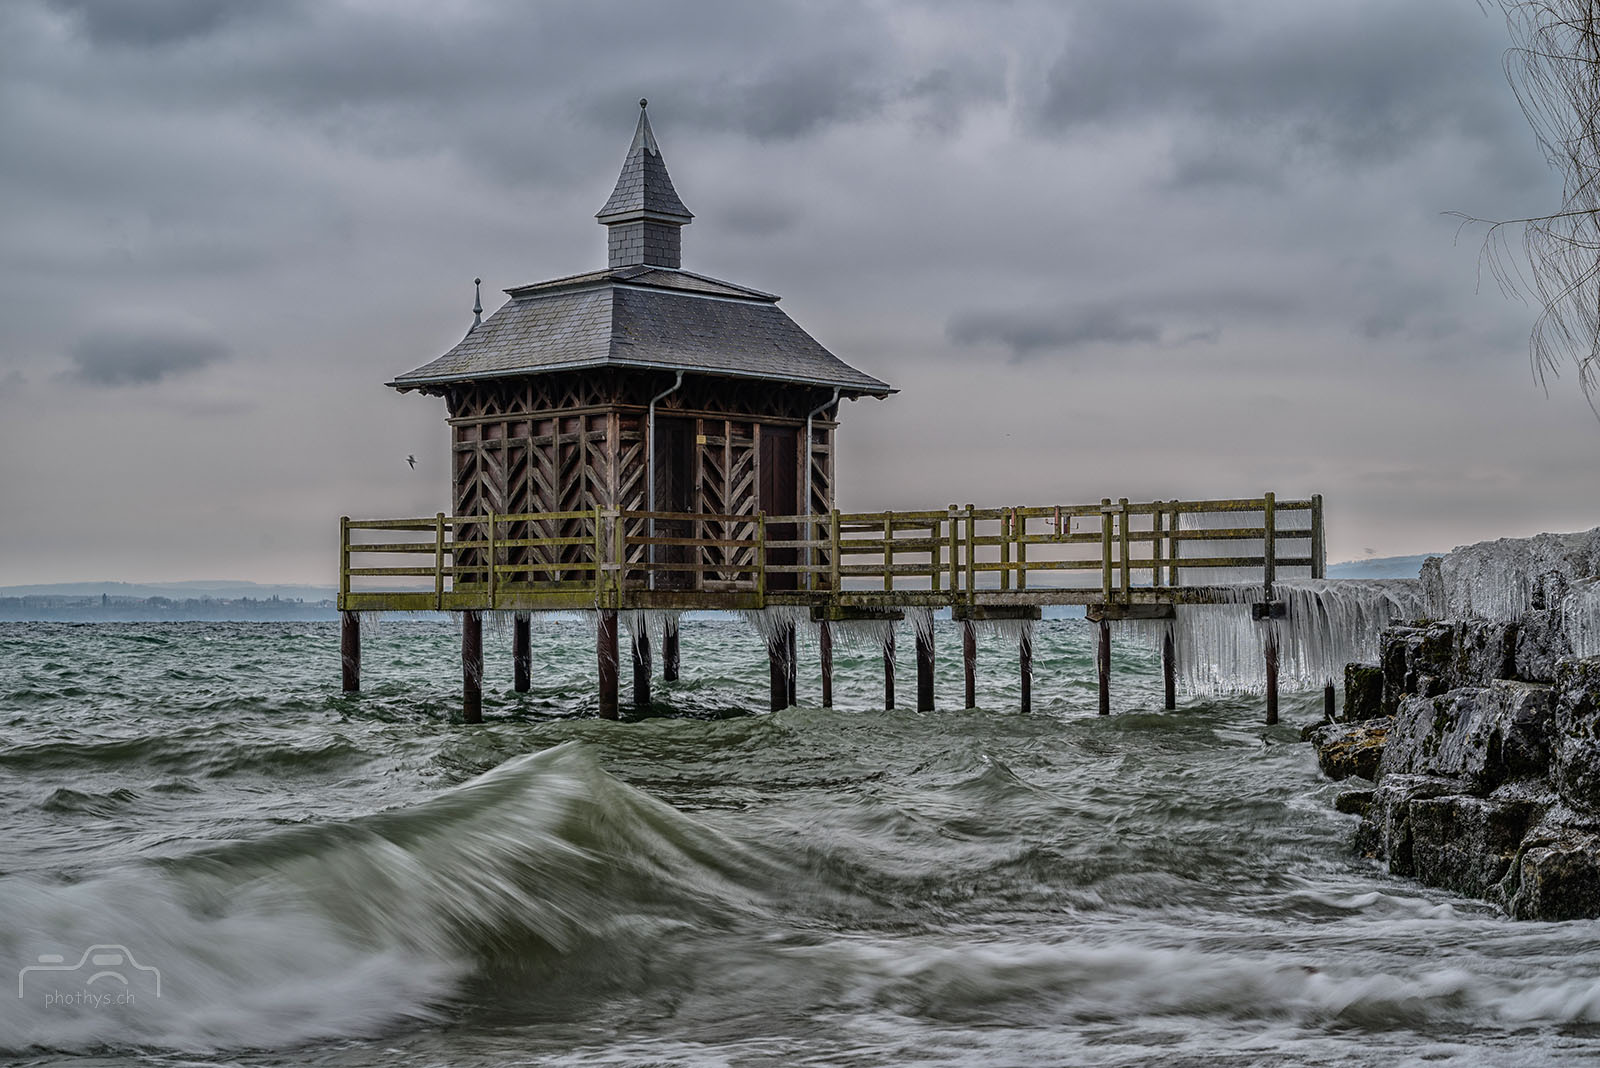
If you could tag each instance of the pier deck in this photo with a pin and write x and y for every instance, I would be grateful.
(1119, 559)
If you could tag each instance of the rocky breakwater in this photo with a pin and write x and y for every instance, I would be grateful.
(1481, 738)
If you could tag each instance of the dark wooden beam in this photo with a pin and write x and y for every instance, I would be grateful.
(669, 652)
(1271, 653)
(1097, 612)
(825, 654)
(521, 652)
(1025, 665)
(969, 660)
(888, 671)
(472, 667)
(925, 669)
(350, 650)
(1169, 672)
(641, 670)
(1103, 666)
(606, 657)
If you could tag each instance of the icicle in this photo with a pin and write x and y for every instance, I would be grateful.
(652, 622)
(1580, 613)
(921, 620)
(774, 621)
(870, 634)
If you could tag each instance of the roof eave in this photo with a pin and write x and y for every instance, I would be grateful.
(879, 391)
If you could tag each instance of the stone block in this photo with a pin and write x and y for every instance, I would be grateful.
(1481, 736)
(1577, 732)
(1415, 658)
(1388, 821)
(1465, 844)
(1483, 653)
(1557, 874)
(1346, 749)
(1363, 692)
(1541, 643)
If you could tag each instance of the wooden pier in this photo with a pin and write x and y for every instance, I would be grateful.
(1118, 559)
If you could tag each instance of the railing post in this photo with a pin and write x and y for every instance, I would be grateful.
(1105, 548)
(344, 559)
(1005, 548)
(490, 580)
(1155, 545)
(833, 551)
(1019, 527)
(619, 571)
(1269, 545)
(599, 555)
(761, 559)
(955, 553)
(888, 551)
(438, 561)
(1319, 547)
(972, 553)
(936, 566)
(1122, 522)
(1174, 546)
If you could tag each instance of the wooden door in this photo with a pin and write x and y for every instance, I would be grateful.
(674, 485)
(780, 495)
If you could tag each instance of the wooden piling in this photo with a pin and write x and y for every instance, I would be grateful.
(1272, 673)
(778, 671)
(606, 657)
(969, 660)
(521, 652)
(350, 650)
(1327, 700)
(641, 670)
(472, 667)
(669, 652)
(825, 654)
(888, 670)
(1169, 671)
(1103, 666)
(791, 659)
(925, 668)
(1025, 665)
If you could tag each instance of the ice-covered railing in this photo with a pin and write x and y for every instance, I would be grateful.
(1326, 624)
(1504, 580)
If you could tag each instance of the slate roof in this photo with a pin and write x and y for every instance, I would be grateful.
(644, 185)
(643, 317)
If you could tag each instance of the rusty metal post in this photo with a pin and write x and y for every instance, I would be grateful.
(641, 670)
(472, 667)
(669, 652)
(606, 656)
(1103, 666)
(350, 650)
(1272, 673)
(1327, 701)
(825, 654)
(1169, 671)
(521, 652)
(925, 669)
(969, 660)
(888, 670)
(778, 672)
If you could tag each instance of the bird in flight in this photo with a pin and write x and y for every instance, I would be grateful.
(412, 460)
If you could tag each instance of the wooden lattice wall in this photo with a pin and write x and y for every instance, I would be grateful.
(577, 441)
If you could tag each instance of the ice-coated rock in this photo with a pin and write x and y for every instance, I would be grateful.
(1388, 820)
(1482, 736)
(1363, 692)
(1464, 843)
(1541, 642)
(1577, 732)
(1346, 749)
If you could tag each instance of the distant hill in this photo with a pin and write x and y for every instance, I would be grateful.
(215, 589)
(1380, 567)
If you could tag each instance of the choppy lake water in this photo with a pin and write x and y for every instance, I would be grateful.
(323, 879)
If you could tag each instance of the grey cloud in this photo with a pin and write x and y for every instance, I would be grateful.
(13, 379)
(1358, 82)
(142, 356)
(1029, 332)
(154, 22)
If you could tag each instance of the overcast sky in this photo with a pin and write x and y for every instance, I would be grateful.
(1124, 248)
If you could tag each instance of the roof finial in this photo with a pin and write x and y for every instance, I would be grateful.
(643, 103)
(477, 303)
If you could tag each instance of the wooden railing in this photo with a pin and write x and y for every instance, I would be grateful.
(1085, 553)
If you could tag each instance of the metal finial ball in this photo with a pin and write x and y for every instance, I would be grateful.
(643, 103)
(477, 281)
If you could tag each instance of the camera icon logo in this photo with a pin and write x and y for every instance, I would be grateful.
(112, 967)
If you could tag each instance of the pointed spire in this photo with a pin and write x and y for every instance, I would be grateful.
(644, 213)
(477, 303)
